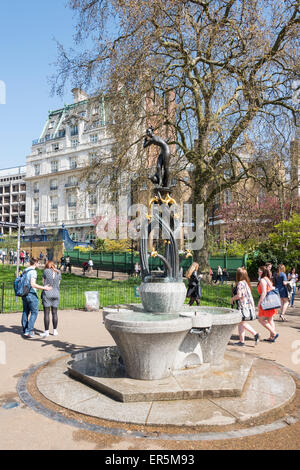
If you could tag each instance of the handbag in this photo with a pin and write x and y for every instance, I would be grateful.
(248, 312)
(271, 301)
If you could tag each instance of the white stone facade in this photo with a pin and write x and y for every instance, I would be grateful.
(12, 196)
(56, 194)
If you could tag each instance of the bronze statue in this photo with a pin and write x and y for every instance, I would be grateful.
(161, 177)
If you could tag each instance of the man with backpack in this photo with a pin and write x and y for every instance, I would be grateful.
(30, 299)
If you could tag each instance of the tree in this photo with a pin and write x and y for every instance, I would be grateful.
(281, 247)
(251, 217)
(228, 64)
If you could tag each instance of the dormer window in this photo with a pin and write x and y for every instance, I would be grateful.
(74, 130)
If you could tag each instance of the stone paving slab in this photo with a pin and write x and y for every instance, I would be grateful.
(267, 388)
(189, 413)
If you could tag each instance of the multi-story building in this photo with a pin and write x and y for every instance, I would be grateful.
(12, 196)
(56, 192)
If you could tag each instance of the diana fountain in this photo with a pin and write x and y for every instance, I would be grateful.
(162, 337)
(170, 365)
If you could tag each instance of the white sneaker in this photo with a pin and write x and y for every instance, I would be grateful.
(43, 335)
(55, 333)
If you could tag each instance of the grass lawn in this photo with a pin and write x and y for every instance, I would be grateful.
(111, 292)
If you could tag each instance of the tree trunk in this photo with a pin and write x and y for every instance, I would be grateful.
(201, 254)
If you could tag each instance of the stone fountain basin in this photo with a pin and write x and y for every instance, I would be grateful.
(207, 341)
(147, 342)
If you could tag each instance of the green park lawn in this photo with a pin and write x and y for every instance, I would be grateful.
(111, 292)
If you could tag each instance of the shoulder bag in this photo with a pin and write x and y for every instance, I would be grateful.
(272, 300)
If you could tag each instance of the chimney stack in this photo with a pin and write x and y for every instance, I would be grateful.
(79, 95)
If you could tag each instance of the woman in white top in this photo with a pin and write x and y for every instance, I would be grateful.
(242, 296)
(293, 278)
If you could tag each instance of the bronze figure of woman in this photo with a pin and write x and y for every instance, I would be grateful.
(161, 177)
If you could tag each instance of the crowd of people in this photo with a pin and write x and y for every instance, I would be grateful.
(283, 287)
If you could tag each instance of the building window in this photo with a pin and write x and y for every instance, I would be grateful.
(37, 169)
(92, 199)
(36, 204)
(93, 157)
(54, 166)
(72, 181)
(53, 216)
(51, 125)
(36, 219)
(53, 185)
(94, 138)
(74, 130)
(72, 200)
(228, 173)
(74, 142)
(91, 236)
(74, 236)
(73, 163)
(55, 147)
(53, 202)
(72, 215)
(36, 187)
(228, 196)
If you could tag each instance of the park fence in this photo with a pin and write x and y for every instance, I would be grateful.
(124, 262)
(72, 295)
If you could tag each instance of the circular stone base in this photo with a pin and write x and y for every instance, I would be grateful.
(268, 389)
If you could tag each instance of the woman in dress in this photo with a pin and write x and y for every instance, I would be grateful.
(194, 288)
(265, 317)
(281, 282)
(243, 296)
(50, 299)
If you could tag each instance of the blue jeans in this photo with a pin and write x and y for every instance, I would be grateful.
(30, 312)
(293, 295)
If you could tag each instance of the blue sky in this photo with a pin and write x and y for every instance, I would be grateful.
(27, 54)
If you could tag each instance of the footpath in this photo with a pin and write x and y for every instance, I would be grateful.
(22, 428)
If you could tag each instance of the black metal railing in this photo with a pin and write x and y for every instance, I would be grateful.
(72, 295)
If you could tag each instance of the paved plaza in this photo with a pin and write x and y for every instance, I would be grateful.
(22, 427)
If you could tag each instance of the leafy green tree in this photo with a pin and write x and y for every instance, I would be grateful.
(225, 66)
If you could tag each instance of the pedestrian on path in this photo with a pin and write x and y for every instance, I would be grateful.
(194, 288)
(266, 317)
(293, 279)
(50, 300)
(91, 265)
(31, 300)
(243, 297)
(281, 282)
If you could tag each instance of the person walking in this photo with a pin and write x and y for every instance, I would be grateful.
(50, 300)
(219, 275)
(31, 300)
(281, 282)
(68, 264)
(194, 287)
(91, 265)
(245, 303)
(266, 317)
(269, 268)
(293, 279)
